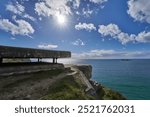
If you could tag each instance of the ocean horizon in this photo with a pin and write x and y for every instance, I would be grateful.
(130, 77)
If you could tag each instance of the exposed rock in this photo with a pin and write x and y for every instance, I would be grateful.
(105, 93)
(86, 69)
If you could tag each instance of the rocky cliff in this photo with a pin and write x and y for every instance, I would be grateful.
(62, 82)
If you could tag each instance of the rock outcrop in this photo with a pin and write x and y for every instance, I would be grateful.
(95, 89)
(86, 69)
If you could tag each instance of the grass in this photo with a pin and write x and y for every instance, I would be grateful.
(108, 94)
(71, 88)
(68, 88)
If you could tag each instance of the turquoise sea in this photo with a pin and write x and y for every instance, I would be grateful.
(129, 77)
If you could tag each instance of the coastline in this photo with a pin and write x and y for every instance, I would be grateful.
(72, 82)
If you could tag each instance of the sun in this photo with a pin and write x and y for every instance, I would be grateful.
(61, 19)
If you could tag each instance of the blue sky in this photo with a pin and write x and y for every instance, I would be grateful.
(87, 28)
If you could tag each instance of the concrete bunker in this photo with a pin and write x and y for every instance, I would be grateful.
(19, 53)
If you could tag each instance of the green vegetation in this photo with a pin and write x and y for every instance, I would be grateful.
(108, 94)
(52, 85)
(69, 88)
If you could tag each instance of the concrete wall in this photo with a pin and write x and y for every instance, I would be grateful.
(10, 69)
(17, 52)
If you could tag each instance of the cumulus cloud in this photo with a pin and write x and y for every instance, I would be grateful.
(84, 26)
(53, 7)
(114, 31)
(18, 9)
(98, 1)
(21, 27)
(110, 54)
(111, 29)
(47, 46)
(78, 42)
(29, 17)
(139, 10)
(87, 12)
(94, 54)
(76, 3)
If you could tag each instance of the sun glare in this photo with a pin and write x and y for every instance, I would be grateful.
(61, 19)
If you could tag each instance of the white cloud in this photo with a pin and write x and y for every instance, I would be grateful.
(93, 54)
(139, 10)
(103, 52)
(12, 38)
(77, 12)
(29, 17)
(78, 42)
(110, 54)
(98, 1)
(52, 8)
(20, 28)
(47, 46)
(84, 26)
(114, 31)
(76, 3)
(143, 37)
(87, 12)
(111, 29)
(18, 9)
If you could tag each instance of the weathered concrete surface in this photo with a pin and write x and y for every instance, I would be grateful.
(8, 69)
(26, 86)
(18, 52)
(16, 60)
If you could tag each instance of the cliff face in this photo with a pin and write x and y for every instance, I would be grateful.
(86, 69)
(93, 88)
(70, 82)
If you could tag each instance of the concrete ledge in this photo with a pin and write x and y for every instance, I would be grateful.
(18, 52)
(21, 68)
